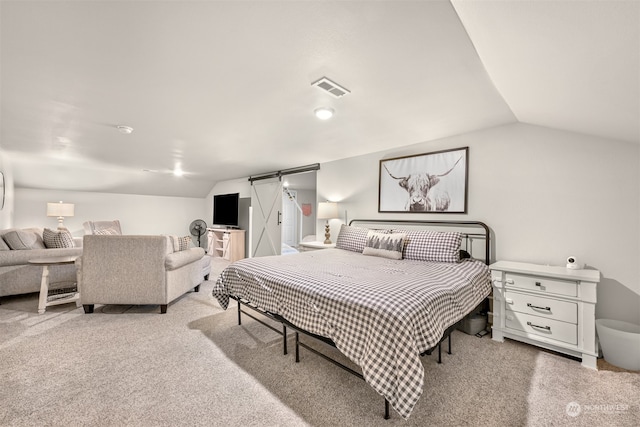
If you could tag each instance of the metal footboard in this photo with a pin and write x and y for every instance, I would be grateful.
(285, 323)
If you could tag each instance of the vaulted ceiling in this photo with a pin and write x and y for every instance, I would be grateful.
(223, 89)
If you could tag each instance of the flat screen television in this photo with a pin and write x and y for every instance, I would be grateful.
(225, 209)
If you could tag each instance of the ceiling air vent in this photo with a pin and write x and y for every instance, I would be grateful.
(332, 87)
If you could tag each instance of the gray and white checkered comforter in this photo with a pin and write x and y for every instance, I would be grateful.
(380, 313)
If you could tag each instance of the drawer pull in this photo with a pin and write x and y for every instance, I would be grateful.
(538, 308)
(547, 328)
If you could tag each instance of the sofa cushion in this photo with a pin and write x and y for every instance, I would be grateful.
(61, 238)
(20, 259)
(23, 240)
(3, 245)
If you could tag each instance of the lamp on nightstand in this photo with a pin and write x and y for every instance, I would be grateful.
(60, 210)
(327, 210)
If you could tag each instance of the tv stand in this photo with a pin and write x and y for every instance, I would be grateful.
(225, 243)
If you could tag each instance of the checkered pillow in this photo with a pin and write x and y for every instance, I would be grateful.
(106, 232)
(183, 243)
(352, 238)
(180, 243)
(432, 245)
(57, 239)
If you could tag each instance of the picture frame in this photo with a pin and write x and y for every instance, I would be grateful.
(433, 182)
(1, 191)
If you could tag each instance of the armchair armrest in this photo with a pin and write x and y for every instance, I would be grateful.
(178, 259)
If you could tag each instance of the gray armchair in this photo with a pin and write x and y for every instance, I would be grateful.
(137, 270)
(90, 227)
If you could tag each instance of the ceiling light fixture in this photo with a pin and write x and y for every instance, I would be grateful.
(324, 113)
(177, 171)
(125, 129)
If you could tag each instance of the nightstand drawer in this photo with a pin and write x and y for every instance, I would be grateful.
(564, 311)
(536, 325)
(542, 284)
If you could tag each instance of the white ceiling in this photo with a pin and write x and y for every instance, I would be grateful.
(224, 88)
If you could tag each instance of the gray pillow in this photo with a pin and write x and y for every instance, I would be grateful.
(23, 240)
(57, 238)
(3, 245)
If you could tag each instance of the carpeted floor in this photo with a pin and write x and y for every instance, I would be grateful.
(194, 366)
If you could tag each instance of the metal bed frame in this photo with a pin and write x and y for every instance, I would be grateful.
(468, 243)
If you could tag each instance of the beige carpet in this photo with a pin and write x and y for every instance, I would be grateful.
(194, 366)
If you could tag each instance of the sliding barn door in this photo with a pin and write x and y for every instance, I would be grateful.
(266, 217)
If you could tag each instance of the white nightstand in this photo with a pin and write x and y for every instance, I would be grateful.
(550, 307)
(312, 246)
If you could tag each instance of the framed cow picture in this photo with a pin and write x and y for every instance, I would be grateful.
(425, 183)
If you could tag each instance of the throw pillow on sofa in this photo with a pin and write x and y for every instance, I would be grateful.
(57, 238)
(106, 232)
(184, 242)
(180, 243)
(23, 240)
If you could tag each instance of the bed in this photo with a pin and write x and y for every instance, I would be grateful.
(381, 312)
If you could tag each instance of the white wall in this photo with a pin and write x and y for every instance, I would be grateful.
(545, 194)
(137, 214)
(308, 222)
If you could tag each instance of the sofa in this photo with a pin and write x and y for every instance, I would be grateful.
(138, 270)
(17, 276)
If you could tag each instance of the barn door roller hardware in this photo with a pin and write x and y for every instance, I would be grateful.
(281, 173)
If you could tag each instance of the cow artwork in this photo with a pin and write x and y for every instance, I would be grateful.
(434, 182)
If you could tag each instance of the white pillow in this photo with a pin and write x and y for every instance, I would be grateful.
(386, 245)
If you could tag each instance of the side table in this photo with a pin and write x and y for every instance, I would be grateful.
(550, 307)
(45, 300)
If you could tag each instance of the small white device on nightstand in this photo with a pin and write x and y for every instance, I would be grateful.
(573, 264)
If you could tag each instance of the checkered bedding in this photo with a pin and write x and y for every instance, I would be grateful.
(381, 313)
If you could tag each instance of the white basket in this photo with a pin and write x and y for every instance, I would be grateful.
(620, 343)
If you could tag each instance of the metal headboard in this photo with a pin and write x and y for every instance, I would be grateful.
(483, 232)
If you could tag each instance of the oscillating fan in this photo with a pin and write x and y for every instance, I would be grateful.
(197, 228)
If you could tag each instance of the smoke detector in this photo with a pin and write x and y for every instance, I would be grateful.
(331, 87)
(125, 129)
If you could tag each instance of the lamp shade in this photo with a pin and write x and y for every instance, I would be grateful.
(60, 209)
(327, 210)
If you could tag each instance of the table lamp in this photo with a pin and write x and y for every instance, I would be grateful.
(60, 210)
(327, 210)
